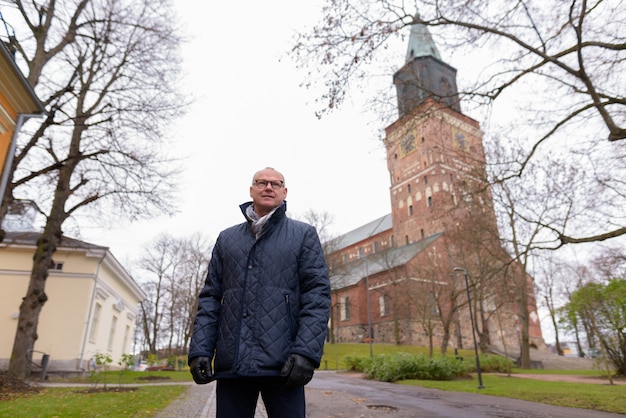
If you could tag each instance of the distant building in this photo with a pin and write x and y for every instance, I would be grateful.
(92, 301)
(397, 272)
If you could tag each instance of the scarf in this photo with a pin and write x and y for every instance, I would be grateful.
(258, 224)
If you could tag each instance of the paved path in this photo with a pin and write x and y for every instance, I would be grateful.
(199, 401)
(346, 395)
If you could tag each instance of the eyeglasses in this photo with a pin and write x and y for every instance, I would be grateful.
(262, 184)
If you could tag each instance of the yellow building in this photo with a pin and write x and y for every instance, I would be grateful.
(91, 308)
(18, 102)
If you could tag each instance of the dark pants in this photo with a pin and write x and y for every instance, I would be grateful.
(237, 398)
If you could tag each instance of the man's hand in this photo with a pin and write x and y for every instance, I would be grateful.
(201, 370)
(298, 370)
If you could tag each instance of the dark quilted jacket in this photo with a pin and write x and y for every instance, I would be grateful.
(263, 299)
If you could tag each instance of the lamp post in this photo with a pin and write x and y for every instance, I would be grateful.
(367, 301)
(469, 304)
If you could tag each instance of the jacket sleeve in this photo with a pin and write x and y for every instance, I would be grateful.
(204, 335)
(314, 298)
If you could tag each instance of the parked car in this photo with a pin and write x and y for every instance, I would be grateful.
(592, 353)
(141, 367)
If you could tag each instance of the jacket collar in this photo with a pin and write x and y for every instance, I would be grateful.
(280, 212)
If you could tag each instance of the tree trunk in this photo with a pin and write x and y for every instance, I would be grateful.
(30, 309)
(525, 348)
(26, 335)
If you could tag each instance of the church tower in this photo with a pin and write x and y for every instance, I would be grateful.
(424, 74)
(434, 152)
(442, 217)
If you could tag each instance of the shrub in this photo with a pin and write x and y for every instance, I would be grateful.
(357, 363)
(494, 363)
(402, 366)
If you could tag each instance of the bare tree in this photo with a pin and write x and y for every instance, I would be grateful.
(550, 73)
(552, 272)
(517, 201)
(197, 254)
(161, 260)
(105, 71)
(176, 268)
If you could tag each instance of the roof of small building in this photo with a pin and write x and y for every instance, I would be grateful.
(31, 237)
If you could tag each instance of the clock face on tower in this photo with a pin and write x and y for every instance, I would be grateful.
(408, 144)
(459, 140)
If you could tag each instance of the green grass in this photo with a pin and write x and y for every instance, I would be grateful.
(146, 401)
(334, 354)
(596, 397)
(112, 378)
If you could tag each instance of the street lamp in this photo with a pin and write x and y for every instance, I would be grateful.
(469, 304)
(367, 299)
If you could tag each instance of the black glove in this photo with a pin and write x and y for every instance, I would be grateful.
(201, 370)
(298, 370)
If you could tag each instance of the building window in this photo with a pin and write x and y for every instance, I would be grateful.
(95, 320)
(384, 306)
(430, 201)
(56, 266)
(432, 304)
(393, 242)
(422, 233)
(344, 312)
(112, 333)
(410, 210)
(425, 179)
(406, 239)
(345, 259)
(360, 252)
(408, 188)
(376, 246)
(125, 341)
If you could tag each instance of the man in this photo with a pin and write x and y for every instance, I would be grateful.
(263, 312)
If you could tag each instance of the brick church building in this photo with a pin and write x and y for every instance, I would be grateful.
(406, 276)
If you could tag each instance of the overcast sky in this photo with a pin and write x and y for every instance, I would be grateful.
(249, 113)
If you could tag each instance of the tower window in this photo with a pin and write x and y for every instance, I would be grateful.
(406, 239)
(425, 179)
(408, 188)
(410, 210)
(430, 201)
(422, 233)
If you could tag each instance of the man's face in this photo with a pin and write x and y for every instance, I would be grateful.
(267, 191)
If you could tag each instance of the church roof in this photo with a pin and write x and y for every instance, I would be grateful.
(353, 272)
(363, 232)
(421, 43)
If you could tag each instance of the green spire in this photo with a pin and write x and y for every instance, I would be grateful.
(421, 44)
